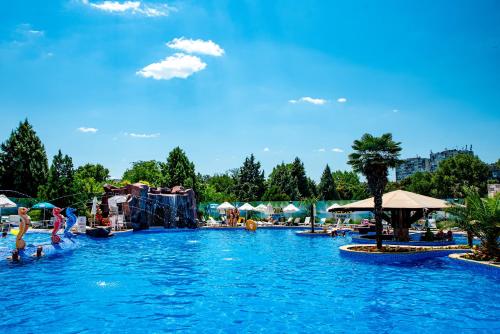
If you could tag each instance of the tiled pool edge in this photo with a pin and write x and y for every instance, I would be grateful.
(388, 258)
(485, 267)
(364, 241)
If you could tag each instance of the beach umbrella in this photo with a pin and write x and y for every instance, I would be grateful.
(93, 211)
(270, 209)
(225, 206)
(43, 206)
(246, 207)
(333, 206)
(290, 208)
(94, 206)
(261, 208)
(5, 203)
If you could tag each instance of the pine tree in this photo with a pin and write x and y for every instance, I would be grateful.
(96, 171)
(179, 171)
(249, 181)
(282, 185)
(59, 187)
(326, 187)
(299, 173)
(23, 161)
(145, 171)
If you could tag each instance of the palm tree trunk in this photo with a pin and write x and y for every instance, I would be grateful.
(378, 218)
(470, 238)
(312, 218)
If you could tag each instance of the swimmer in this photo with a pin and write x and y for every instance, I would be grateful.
(39, 252)
(4, 234)
(335, 234)
(15, 256)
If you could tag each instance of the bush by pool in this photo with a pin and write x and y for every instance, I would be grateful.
(236, 281)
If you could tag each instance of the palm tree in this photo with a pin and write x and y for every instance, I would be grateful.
(310, 204)
(372, 157)
(480, 217)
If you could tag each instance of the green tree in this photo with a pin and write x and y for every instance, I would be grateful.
(313, 188)
(250, 179)
(457, 172)
(59, 187)
(480, 217)
(95, 171)
(216, 188)
(349, 186)
(298, 172)
(149, 171)
(23, 161)
(85, 188)
(222, 183)
(372, 157)
(420, 183)
(179, 171)
(282, 184)
(326, 187)
(392, 186)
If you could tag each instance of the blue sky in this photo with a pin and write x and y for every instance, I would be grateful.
(120, 81)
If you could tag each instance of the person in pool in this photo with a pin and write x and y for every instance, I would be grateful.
(4, 234)
(39, 252)
(24, 225)
(15, 256)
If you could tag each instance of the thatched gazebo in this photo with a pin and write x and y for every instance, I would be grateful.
(401, 209)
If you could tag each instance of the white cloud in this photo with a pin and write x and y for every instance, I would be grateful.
(266, 149)
(308, 99)
(321, 150)
(142, 135)
(36, 32)
(27, 32)
(87, 130)
(196, 46)
(337, 150)
(179, 65)
(132, 7)
(395, 110)
(341, 100)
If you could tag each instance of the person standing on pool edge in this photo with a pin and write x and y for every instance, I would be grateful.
(24, 225)
(56, 212)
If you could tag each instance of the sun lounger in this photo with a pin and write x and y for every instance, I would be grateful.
(212, 222)
(306, 222)
(431, 223)
(120, 223)
(37, 224)
(296, 221)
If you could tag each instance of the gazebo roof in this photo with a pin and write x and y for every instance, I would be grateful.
(398, 199)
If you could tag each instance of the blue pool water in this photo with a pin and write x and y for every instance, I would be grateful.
(271, 281)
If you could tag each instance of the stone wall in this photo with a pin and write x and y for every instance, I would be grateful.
(161, 207)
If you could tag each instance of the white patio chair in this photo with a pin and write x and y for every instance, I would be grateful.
(120, 223)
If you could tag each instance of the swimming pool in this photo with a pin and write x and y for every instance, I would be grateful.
(236, 281)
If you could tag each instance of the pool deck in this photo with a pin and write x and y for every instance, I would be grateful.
(277, 227)
(458, 257)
